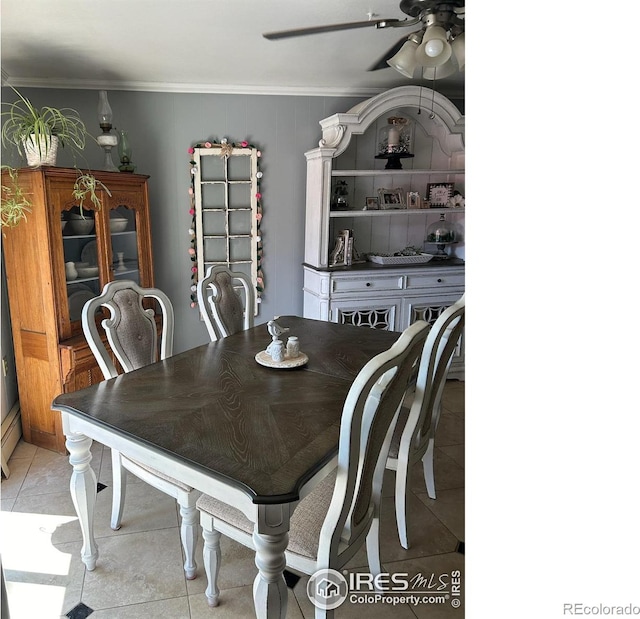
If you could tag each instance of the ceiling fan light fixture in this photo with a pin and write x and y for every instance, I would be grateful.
(435, 49)
(457, 45)
(405, 60)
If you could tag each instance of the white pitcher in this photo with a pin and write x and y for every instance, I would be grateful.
(70, 270)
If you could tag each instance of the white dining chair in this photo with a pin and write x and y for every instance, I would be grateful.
(221, 306)
(132, 333)
(414, 436)
(335, 519)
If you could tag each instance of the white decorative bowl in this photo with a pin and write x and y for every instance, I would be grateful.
(118, 225)
(81, 226)
(86, 270)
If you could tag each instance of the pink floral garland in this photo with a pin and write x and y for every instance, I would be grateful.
(226, 148)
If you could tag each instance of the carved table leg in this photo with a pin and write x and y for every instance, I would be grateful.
(211, 558)
(189, 536)
(83, 488)
(269, 587)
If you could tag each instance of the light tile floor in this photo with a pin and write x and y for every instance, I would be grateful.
(139, 572)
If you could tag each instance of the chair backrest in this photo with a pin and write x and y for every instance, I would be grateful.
(432, 375)
(366, 427)
(221, 306)
(131, 329)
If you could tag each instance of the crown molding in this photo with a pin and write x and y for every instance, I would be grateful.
(226, 89)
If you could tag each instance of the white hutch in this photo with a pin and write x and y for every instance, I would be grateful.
(367, 293)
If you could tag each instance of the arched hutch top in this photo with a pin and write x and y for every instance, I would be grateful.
(338, 129)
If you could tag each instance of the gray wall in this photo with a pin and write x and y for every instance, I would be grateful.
(161, 127)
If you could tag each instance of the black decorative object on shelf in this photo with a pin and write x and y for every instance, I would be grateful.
(393, 160)
(394, 142)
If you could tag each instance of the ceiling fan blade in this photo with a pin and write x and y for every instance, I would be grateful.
(298, 32)
(381, 63)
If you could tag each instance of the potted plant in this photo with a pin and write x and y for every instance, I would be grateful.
(36, 132)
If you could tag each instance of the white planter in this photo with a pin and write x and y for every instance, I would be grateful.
(45, 154)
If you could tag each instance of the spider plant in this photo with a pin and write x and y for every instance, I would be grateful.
(86, 185)
(24, 125)
(14, 204)
(27, 127)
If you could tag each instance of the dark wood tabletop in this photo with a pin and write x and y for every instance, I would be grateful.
(264, 430)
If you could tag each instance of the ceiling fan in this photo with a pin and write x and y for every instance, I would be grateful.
(435, 50)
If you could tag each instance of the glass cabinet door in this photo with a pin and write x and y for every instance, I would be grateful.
(81, 264)
(125, 249)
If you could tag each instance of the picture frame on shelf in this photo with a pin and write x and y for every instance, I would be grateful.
(371, 203)
(391, 198)
(414, 200)
(438, 194)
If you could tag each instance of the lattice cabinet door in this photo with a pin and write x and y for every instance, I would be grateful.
(374, 313)
(429, 310)
(226, 209)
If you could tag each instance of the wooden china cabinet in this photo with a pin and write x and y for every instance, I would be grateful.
(47, 293)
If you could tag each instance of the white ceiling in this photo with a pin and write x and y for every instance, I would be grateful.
(201, 46)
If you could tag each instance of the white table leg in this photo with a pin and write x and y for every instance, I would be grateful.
(83, 493)
(189, 536)
(269, 587)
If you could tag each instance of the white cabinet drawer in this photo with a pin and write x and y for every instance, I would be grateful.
(359, 284)
(435, 280)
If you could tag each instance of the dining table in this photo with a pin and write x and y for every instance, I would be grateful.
(258, 438)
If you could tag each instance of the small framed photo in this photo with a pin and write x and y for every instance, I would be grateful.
(439, 193)
(371, 203)
(391, 198)
(414, 200)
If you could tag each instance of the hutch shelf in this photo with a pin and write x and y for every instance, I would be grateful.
(365, 293)
(56, 260)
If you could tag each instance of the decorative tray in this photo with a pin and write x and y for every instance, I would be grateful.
(264, 358)
(419, 259)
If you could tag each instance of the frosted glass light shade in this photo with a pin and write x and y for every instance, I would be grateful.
(404, 60)
(437, 73)
(458, 50)
(434, 38)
